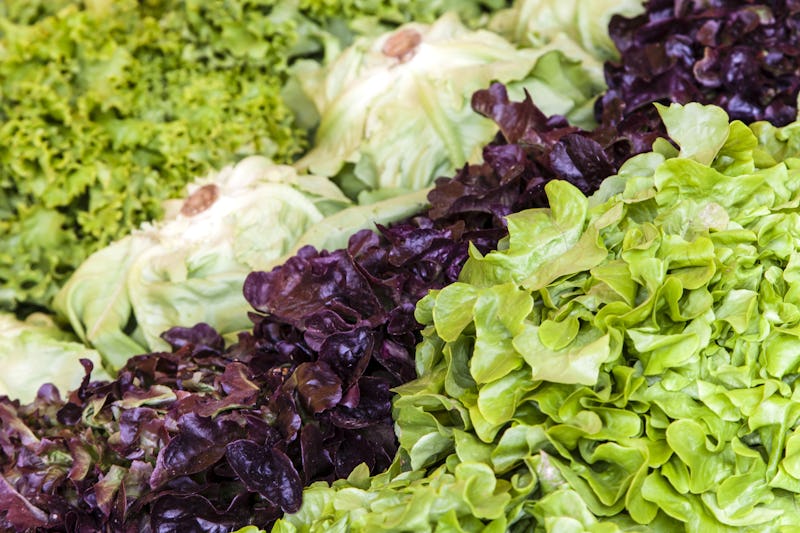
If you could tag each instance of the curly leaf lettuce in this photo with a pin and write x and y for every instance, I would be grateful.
(109, 108)
(622, 362)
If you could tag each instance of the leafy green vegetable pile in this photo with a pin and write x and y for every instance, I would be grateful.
(626, 361)
(107, 108)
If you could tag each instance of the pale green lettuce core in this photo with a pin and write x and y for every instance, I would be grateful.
(36, 351)
(624, 362)
(395, 111)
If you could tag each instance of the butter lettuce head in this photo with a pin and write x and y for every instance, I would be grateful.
(394, 111)
(189, 267)
(622, 362)
(36, 351)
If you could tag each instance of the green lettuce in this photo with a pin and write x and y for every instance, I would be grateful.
(585, 22)
(37, 351)
(109, 107)
(624, 362)
(394, 111)
(190, 267)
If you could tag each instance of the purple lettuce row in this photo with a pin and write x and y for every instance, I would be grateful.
(743, 56)
(200, 439)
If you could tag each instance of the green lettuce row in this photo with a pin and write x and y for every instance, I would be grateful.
(107, 108)
(623, 362)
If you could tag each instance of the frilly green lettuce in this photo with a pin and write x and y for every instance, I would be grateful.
(585, 22)
(36, 351)
(625, 362)
(394, 111)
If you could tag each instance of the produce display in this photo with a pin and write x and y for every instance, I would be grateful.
(590, 326)
(107, 108)
(623, 361)
(252, 217)
(182, 432)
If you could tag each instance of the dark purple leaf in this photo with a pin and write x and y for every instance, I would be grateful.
(199, 444)
(17, 511)
(201, 337)
(316, 456)
(318, 387)
(267, 471)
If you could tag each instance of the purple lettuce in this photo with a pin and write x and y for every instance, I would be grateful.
(743, 56)
(200, 439)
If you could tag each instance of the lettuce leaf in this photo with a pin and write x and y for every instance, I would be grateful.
(36, 351)
(538, 22)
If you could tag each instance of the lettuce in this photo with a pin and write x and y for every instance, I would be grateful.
(36, 351)
(245, 217)
(622, 362)
(739, 56)
(107, 108)
(538, 22)
(394, 110)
